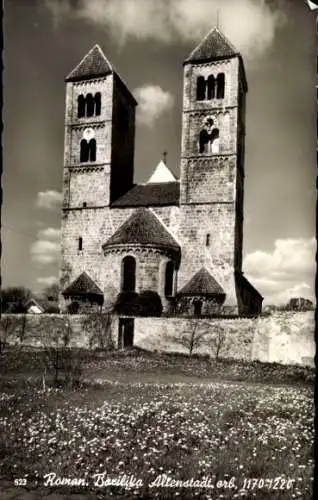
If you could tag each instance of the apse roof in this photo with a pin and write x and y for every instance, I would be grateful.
(143, 228)
(202, 283)
(83, 285)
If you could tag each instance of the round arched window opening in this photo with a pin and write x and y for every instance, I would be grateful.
(128, 274)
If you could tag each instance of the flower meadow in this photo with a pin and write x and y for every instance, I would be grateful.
(218, 431)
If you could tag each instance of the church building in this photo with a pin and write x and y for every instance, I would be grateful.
(179, 240)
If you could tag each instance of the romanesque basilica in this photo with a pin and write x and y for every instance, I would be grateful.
(180, 239)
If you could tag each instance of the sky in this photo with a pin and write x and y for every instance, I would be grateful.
(147, 41)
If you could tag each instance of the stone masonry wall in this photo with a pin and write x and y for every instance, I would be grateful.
(286, 337)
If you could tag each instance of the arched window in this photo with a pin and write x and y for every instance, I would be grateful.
(215, 143)
(84, 204)
(90, 105)
(169, 274)
(207, 240)
(84, 151)
(92, 150)
(80, 106)
(209, 140)
(220, 86)
(80, 243)
(97, 103)
(211, 87)
(128, 271)
(201, 87)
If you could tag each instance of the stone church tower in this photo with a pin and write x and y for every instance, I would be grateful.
(179, 239)
(212, 157)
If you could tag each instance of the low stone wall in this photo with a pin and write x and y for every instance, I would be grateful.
(285, 337)
(43, 330)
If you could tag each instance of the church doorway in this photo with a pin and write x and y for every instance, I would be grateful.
(126, 333)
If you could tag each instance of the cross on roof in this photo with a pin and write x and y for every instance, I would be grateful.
(164, 157)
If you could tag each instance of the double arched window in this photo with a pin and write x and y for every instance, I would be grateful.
(128, 274)
(88, 150)
(211, 88)
(89, 106)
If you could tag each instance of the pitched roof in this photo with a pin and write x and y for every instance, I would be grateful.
(34, 303)
(202, 283)
(93, 65)
(243, 281)
(143, 228)
(83, 285)
(161, 174)
(152, 194)
(213, 46)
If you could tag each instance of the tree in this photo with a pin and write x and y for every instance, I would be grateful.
(49, 298)
(60, 360)
(14, 300)
(7, 326)
(99, 324)
(194, 337)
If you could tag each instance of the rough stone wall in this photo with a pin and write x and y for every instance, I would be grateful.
(286, 337)
(45, 330)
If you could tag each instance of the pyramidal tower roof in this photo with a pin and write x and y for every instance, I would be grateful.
(94, 64)
(161, 174)
(213, 46)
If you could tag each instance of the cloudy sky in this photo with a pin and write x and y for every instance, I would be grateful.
(147, 41)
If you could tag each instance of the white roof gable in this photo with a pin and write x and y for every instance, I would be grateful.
(161, 174)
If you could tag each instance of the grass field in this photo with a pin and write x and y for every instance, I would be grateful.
(142, 428)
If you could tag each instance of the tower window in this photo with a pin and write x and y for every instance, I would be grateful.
(220, 84)
(88, 150)
(84, 151)
(80, 243)
(209, 137)
(128, 274)
(201, 88)
(89, 106)
(169, 279)
(211, 87)
(84, 204)
(207, 240)
(80, 106)
(97, 103)
(92, 150)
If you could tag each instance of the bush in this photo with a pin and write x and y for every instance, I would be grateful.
(64, 364)
(149, 304)
(127, 303)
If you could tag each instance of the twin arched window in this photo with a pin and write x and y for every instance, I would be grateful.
(89, 106)
(211, 88)
(88, 150)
